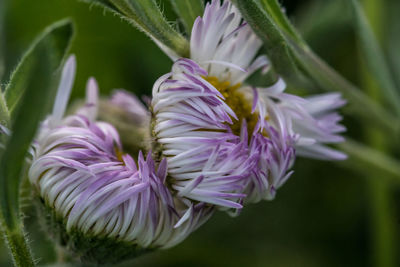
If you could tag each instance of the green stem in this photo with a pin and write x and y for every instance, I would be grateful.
(359, 103)
(275, 10)
(18, 246)
(2, 39)
(367, 160)
(4, 112)
(382, 225)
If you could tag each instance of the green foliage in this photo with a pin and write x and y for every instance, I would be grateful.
(2, 41)
(38, 71)
(371, 161)
(328, 79)
(188, 11)
(274, 10)
(56, 39)
(277, 47)
(392, 42)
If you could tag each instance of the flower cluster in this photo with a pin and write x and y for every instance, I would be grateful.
(79, 169)
(217, 142)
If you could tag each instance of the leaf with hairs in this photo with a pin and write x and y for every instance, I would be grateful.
(57, 39)
(39, 70)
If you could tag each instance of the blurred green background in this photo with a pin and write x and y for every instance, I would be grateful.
(321, 217)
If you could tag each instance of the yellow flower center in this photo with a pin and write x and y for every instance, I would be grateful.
(119, 153)
(237, 101)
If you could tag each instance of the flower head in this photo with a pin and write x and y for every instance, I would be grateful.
(206, 160)
(82, 174)
(227, 143)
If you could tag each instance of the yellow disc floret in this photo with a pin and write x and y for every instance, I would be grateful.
(119, 153)
(237, 101)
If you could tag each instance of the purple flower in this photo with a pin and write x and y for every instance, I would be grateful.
(227, 143)
(80, 170)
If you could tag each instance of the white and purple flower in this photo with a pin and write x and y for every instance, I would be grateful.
(227, 143)
(80, 171)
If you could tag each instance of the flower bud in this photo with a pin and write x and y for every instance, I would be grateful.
(101, 204)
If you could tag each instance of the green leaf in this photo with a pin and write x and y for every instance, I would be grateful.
(266, 28)
(40, 66)
(375, 59)
(40, 71)
(392, 43)
(370, 161)
(57, 39)
(13, 157)
(188, 11)
(2, 38)
(328, 79)
(381, 199)
(4, 112)
(275, 10)
(147, 17)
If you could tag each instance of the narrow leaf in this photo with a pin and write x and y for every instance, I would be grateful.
(274, 41)
(370, 161)
(375, 59)
(188, 11)
(2, 38)
(40, 71)
(392, 43)
(12, 159)
(328, 79)
(275, 10)
(57, 39)
(4, 112)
